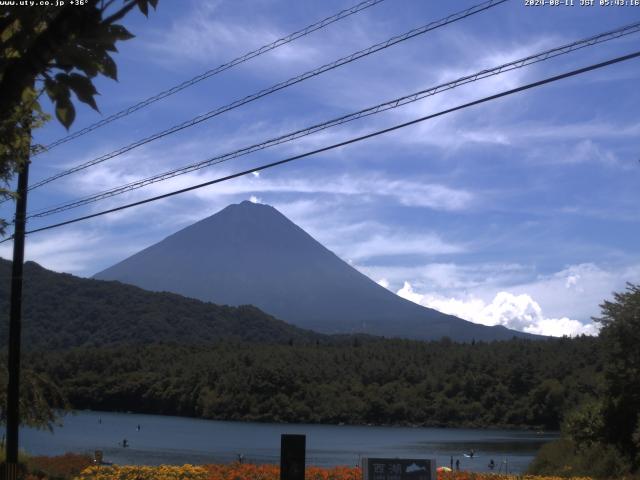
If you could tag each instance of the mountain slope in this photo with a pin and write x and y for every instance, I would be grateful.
(62, 311)
(252, 254)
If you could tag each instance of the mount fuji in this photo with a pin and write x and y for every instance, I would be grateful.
(252, 254)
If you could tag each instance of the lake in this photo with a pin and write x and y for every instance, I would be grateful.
(177, 440)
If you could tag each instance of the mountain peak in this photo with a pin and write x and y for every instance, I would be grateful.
(247, 207)
(239, 225)
(249, 204)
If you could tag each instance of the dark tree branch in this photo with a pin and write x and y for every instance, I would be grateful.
(120, 13)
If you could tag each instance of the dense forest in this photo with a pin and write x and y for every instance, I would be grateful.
(64, 311)
(513, 383)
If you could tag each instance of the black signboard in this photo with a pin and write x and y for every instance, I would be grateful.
(292, 457)
(398, 469)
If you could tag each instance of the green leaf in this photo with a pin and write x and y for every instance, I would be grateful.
(118, 32)
(108, 67)
(12, 29)
(55, 90)
(80, 58)
(28, 94)
(50, 88)
(65, 112)
(144, 7)
(83, 88)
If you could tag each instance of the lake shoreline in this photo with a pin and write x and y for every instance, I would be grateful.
(463, 425)
(156, 440)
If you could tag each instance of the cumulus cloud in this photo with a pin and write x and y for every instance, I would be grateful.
(517, 312)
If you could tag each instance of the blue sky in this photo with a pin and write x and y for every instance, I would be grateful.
(522, 211)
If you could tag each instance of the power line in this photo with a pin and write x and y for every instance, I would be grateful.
(397, 102)
(346, 142)
(209, 73)
(279, 86)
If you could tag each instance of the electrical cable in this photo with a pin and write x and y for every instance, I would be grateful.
(344, 143)
(279, 86)
(395, 103)
(209, 73)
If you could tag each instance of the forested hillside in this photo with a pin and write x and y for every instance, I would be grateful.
(116, 347)
(514, 383)
(63, 311)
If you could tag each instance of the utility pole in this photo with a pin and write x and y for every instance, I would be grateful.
(15, 320)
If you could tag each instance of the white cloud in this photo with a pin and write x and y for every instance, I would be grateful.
(404, 192)
(201, 36)
(517, 312)
(453, 278)
(400, 243)
(70, 251)
(549, 303)
(364, 241)
(579, 289)
(416, 192)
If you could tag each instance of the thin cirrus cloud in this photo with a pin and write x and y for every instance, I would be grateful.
(380, 245)
(200, 36)
(71, 251)
(413, 193)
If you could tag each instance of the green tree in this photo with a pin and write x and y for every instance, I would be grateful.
(620, 335)
(41, 400)
(585, 425)
(57, 51)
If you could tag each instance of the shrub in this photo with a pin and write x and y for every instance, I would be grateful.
(563, 458)
(61, 467)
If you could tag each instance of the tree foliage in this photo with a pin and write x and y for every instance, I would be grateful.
(372, 381)
(57, 51)
(41, 400)
(601, 437)
(63, 311)
(620, 335)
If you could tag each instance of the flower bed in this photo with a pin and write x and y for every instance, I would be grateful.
(238, 471)
(163, 472)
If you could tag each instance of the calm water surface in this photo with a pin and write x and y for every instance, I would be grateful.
(177, 440)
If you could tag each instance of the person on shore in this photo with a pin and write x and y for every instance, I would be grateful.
(458, 464)
(492, 464)
(125, 444)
